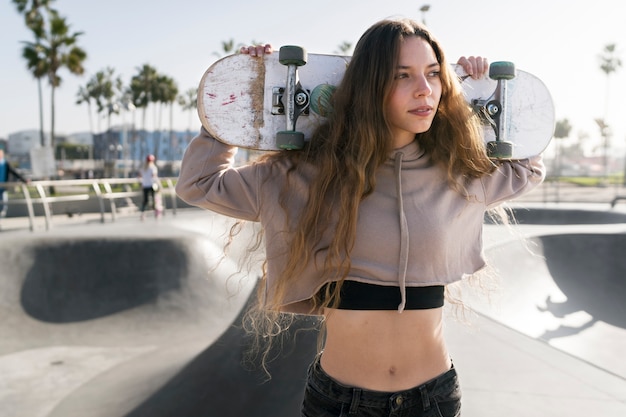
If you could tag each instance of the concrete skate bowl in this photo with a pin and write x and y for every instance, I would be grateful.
(568, 290)
(143, 325)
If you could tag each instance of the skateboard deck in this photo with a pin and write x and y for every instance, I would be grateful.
(158, 203)
(243, 101)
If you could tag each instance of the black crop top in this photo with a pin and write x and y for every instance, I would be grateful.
(362, 296)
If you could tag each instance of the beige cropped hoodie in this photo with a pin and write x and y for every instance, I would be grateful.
(413, 230)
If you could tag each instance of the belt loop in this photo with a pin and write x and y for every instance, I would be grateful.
(425, 399)
(356, 397)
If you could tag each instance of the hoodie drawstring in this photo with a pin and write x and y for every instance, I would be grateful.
(404, 233)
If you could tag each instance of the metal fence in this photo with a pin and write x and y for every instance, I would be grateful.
(106, 191)
(103, 195)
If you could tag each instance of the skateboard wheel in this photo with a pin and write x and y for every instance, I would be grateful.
(290, 140)
(320, 99)
(499, 149)
(502, 70)
(292, 55)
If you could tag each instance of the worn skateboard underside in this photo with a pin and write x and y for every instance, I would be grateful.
(235, 101)
(235, 97)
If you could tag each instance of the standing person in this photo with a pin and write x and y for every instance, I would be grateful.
(7, 172)
(367, 225)
(150, 184)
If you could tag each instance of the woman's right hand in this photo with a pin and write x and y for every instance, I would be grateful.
(257, 50)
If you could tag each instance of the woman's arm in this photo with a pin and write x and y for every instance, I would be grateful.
(512, 179)
(208, 179)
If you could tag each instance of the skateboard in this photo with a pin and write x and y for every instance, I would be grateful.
(275, 103)
(158, 203)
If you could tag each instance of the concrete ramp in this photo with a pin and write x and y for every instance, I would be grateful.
(141, 320)
(565, 285)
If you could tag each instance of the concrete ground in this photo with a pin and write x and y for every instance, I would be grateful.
(142, 319)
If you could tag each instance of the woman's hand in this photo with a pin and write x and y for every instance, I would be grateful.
(256, 50)
(475, 66)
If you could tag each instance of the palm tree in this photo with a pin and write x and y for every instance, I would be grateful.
(38, 67)
(104, 89)
(165, 95)
(141, 91)
(228, 47)
(110, 89)
(35, 62)
(54, 48)
(561, 131)
(344, 48)
(83, 95)
(609, 63)
(188, 101)
(142, 87)
(169, 97)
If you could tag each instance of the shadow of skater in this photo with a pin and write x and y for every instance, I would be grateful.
(560, 310)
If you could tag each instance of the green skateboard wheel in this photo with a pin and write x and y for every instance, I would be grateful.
(292, 55)
(500, 149)
(289, 140)
(321, 99)
(502, 70)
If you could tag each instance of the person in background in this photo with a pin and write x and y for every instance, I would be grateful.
(367, 225)
(7, 172)
(149, 175)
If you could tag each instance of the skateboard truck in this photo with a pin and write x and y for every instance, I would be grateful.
(502, 72)
(294, 98)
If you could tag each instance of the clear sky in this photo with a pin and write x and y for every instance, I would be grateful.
(558, 40)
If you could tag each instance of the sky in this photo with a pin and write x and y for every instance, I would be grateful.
(559, 41)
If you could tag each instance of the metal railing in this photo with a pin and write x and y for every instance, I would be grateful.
(104, 190)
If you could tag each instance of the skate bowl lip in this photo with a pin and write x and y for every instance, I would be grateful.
(186, 279)
(566, 214)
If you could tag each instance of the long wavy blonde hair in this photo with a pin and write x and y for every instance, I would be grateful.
(348, 150)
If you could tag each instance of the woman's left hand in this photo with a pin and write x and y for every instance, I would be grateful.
(475, 66)
(256, 50)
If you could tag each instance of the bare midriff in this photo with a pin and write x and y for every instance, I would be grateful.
(384, 350)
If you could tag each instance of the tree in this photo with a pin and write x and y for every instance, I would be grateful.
(228, 47)
(54, 48)
(561, 131)
(34, 59)
(344, 48)
(188, 101)
(165, 95)
(609, 63)
(83, 95)
(142, 86)
(105, 89)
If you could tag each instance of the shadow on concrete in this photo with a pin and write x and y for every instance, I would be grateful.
(221, 382)
(590, 269)
(60, 289)
(568, 289)
(162, 315)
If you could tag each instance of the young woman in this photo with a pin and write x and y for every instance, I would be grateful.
(369, 223)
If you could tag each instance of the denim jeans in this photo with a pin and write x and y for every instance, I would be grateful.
(325, 397)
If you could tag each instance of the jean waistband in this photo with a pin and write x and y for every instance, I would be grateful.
(326, 385)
